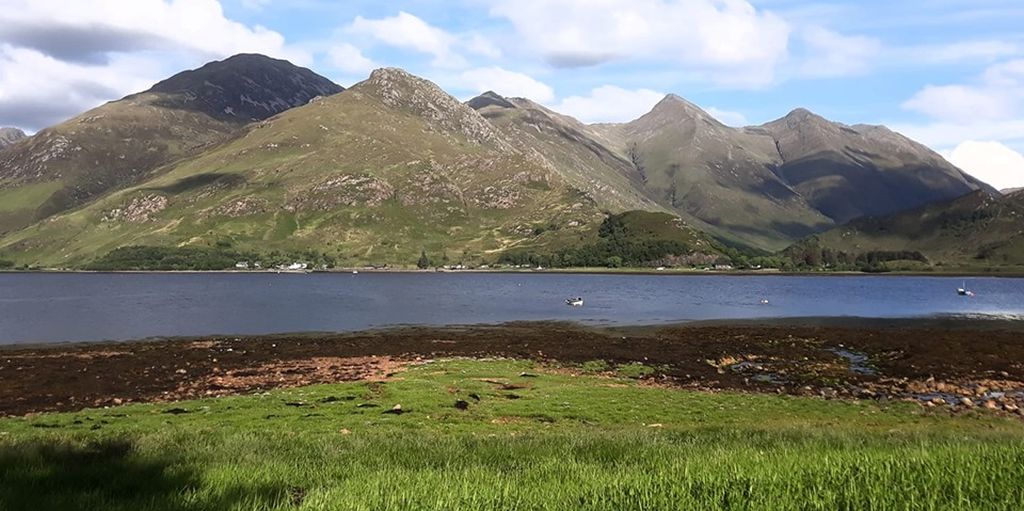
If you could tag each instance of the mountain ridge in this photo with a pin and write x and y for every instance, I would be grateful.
(395, 165)
(378, 173)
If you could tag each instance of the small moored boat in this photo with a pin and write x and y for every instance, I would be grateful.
(574, 302)
(963, 291)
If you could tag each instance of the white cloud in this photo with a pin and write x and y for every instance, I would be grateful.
(89, 31)
(949, 134)
(728, 41)
(996, 96)
(991, 108)
(409, 32)
(831, 54)
(60, 58)
(960, 103)
(37, 90)
(609, 104)
(991, 162)
(506, 83)
(728, 117)
(350, 59)
(1007, 74)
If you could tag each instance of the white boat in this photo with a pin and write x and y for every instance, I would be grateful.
(963, 291)
(574, 302)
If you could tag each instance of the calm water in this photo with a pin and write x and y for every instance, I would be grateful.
(92, 307)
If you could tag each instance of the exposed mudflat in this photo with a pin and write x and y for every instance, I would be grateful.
(960, 364)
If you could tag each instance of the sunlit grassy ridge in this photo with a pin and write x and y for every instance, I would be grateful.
(543, 440)
(360, 175)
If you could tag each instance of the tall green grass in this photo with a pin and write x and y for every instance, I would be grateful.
(567, 442)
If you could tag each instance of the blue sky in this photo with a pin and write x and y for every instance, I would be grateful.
(949, 73)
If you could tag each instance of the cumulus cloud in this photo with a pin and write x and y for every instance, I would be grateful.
(961, 102)
(37, 90)
(728, 41)
(350, 59)
(949, 134)
(609, 103)
(60, 58)
(995, 96)
(409, 32)
(90, 31)
(991, 162)
(989, 108)
(507, 83)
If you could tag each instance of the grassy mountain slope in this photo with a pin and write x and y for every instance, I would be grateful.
(377, 173)
(567, 147)
(974, 231)
(123, 142)
(715, 174)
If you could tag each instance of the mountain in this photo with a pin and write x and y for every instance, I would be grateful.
(376, 174)
(253, 157)
(124, 142)
(719, 177)
(9, 136)
(1008, 191)
(976, 231)
(766, 186)
(848, 172)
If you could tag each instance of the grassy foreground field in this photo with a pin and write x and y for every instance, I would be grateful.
(531, 438)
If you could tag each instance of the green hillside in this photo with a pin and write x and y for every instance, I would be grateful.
(975, 232)
(375, 174)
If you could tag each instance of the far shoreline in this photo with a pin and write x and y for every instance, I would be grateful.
(553, 271)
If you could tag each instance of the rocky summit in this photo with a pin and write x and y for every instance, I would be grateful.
(9, 136)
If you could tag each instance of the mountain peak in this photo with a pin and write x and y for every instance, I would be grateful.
(803, 119)
(674, 102)
(675, 107)
(395, 85)
(9, 136)
(244, 87)
(804, 115)
(400, 89)
(489, 98)
(390, 73)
